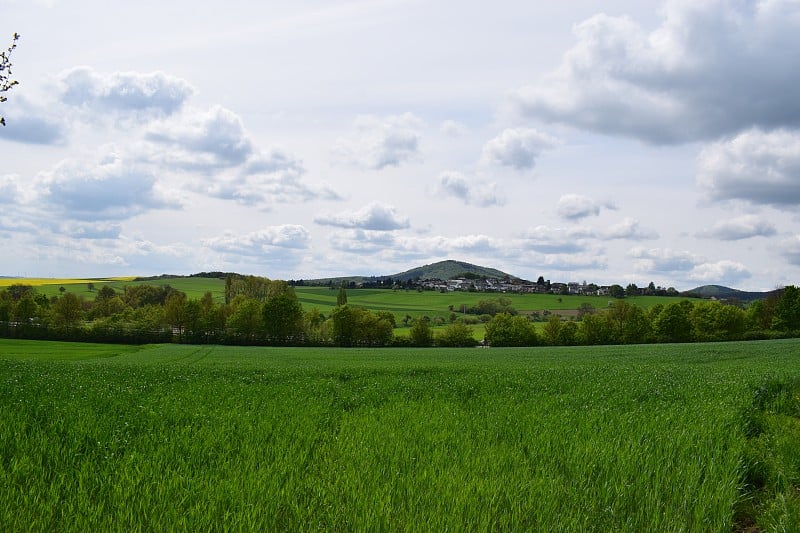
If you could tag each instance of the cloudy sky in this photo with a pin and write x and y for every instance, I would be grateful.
(614, 142)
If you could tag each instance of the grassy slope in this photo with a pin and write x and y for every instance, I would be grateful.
(643, 438)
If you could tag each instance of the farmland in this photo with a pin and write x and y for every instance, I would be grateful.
(160, 437)
(399, 302)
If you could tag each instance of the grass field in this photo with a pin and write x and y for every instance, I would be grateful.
(637, 438)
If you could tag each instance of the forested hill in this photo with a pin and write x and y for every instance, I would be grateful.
(450, 269)
(725, 293)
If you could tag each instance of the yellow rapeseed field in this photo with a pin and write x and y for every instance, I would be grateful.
(38, 282)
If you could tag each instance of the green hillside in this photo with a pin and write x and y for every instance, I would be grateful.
(448, 270)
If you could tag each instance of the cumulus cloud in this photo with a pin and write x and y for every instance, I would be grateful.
(30, 123)
(563, 262)
(663, 260)
(214, 153)
(711, 68)
(552, 240)
(725, 271)
(743, 227)
(261, 242)
(124, 91)
(578, 206)
(209, 140)
(109, 189)
(381, 142)
(473, 245)
(453, 184)
(629, 229)
(375, 216)
(359, 241)
(10, 192)
(755, 166)
(517, 148)
(573, 239)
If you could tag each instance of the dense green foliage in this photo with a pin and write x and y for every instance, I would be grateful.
(644, 438)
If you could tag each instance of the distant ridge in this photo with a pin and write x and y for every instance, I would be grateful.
(450, 269)
(721, 292)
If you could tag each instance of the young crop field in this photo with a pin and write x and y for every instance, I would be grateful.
(164, 437)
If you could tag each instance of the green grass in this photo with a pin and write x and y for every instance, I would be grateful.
(637, 438)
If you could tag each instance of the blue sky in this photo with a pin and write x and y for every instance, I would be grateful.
(612, 142)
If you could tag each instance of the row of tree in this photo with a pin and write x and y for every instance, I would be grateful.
(259, 311)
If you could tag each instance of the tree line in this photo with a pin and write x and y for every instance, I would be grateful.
(260, 311)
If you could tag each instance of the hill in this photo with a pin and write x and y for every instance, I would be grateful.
(441, 270)
(725, 293)
(450, 269)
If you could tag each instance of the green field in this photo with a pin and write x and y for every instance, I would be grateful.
(637, 438)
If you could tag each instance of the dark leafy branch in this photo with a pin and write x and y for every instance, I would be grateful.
(6, 81)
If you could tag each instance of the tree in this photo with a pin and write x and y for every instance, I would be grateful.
(631, 290)
(551, 332)
(421, 332)
(507, 330)
(175, 311)
(673, 323)
(456, 335)
(6, 83)
(245, 322)
(25, 309)
(341, 298)
(283, 318)
(345, 324)
(594, 330)
(627, 323)
(787, 310)
(68, 310)
(616, 291)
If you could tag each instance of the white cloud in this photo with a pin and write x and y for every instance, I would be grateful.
(452, 184)
(790, 249)
(578, 206)
(517, 148)
(109, 189)
(261, 242)
(212, 151)
(743, 227)
(90, 230)
(31, 123)
(553, 240)
(629, 229)
(381, 142)
(755, 166)
(658, 260)
(125, 92)
(203, 141)
(711, 68)
(726, 272)
(453, 128)
(359, 241)
(375, 216)
(10, 192)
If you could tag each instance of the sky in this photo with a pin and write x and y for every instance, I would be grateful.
(621, 141)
